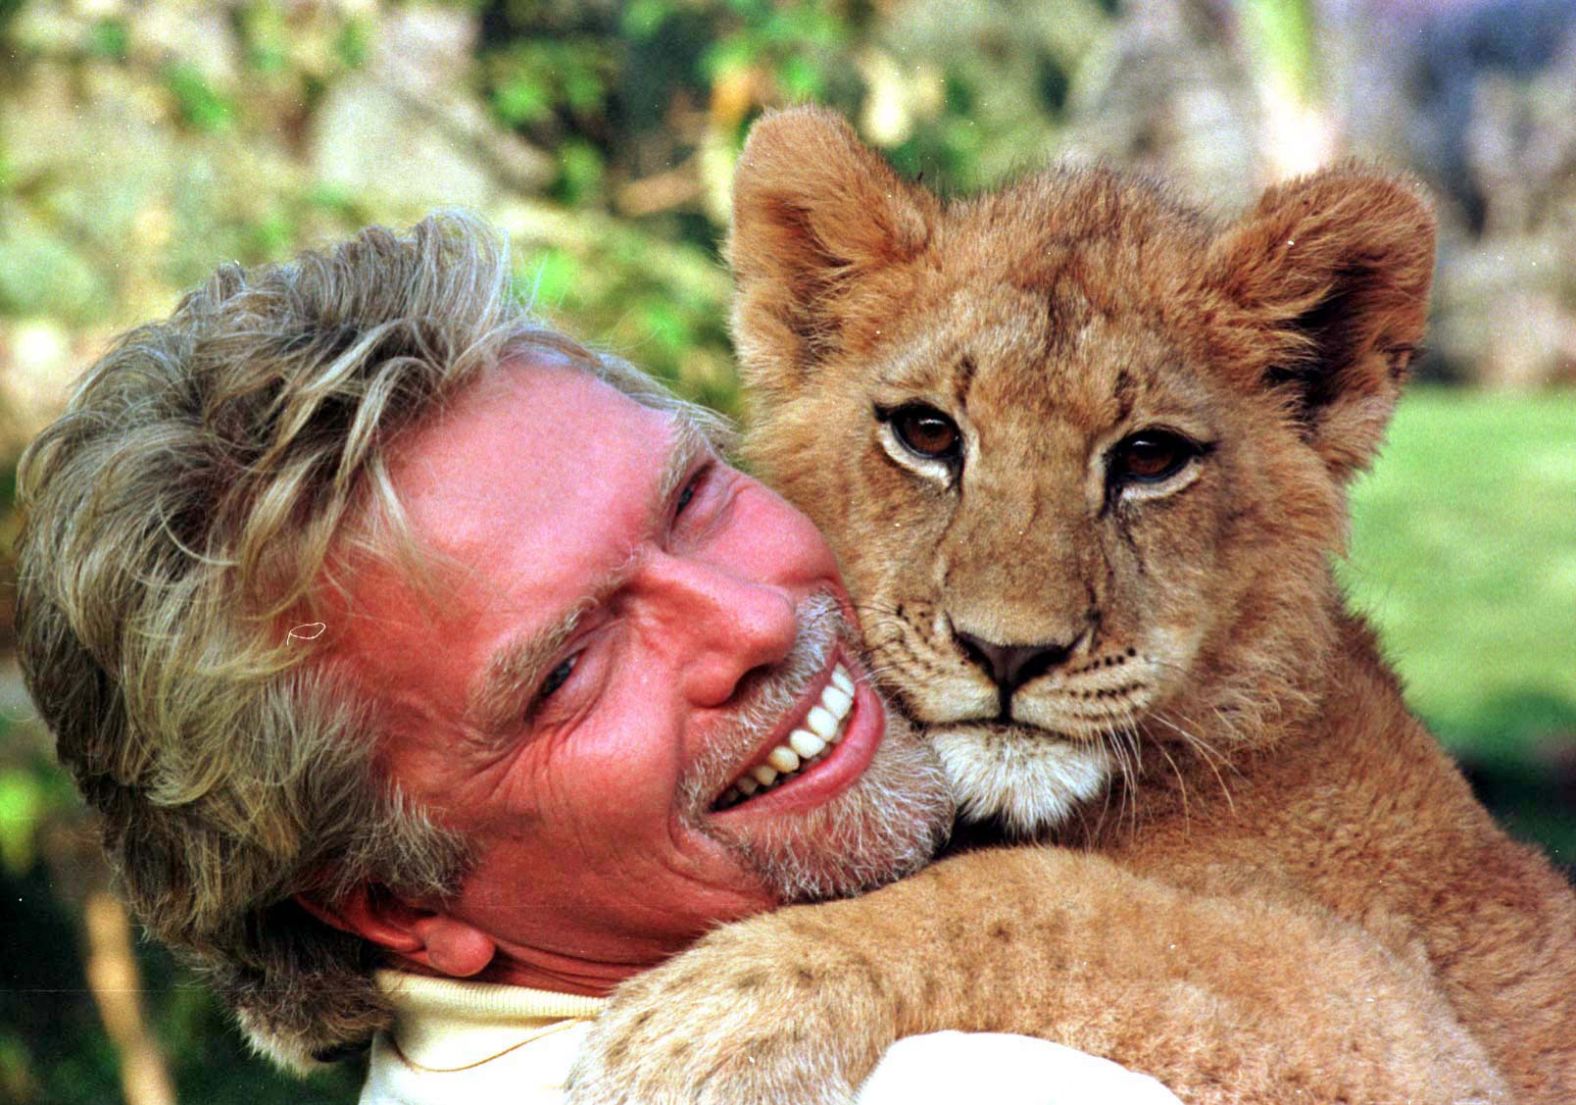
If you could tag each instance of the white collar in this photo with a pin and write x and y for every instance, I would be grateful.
(449, 1023)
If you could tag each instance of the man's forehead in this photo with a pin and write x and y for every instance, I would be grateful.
(523, 419)
(505, 477)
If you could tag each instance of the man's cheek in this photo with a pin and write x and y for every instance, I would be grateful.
(782, 541)
(628, 764)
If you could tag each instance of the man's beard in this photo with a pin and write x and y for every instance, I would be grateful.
(888, 824)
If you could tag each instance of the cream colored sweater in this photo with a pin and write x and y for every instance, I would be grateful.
(469, 1043)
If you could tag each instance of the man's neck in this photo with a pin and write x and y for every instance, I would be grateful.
(559, 974)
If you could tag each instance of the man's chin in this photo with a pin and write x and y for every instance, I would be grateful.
(885, 826)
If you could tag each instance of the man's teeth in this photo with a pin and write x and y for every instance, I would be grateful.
(823, 727)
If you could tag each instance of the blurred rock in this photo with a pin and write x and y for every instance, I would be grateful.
(39, 361)
(1480, 96)
(1170, 96)
(201, 36)
(404, 129)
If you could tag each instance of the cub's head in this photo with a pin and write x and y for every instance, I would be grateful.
(1082, 451)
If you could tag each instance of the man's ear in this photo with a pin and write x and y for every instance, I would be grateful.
(1331, 273)
(431, 938)
(815, 212)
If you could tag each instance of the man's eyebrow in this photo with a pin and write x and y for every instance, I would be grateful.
(689, 444)
(500, 698)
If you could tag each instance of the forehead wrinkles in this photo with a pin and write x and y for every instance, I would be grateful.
(509, 676)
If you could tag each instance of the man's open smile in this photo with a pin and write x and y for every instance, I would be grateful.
(814, 747)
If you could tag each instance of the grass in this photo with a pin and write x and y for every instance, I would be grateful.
(1464, 553)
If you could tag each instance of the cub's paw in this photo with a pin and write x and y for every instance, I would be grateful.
(745, 1017)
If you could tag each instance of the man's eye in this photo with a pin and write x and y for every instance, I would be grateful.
(688, 494)
(557, 677)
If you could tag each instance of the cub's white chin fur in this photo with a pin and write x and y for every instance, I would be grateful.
(1026, 780)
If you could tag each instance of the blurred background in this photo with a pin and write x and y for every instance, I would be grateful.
(142, 143)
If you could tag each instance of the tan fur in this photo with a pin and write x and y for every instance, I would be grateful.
(1298, 899)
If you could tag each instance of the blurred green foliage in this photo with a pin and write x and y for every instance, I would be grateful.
(1463, 553)
(142, 143)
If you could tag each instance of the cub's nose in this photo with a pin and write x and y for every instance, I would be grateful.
(1011, 666)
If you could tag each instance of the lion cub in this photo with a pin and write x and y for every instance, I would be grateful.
(1084, 454)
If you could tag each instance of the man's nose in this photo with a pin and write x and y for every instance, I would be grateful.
(723, 624)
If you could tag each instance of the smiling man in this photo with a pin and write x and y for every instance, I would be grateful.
(616, 659)
(388, 628)
(433, 674)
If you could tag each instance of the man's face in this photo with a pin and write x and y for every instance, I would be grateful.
(626, 627)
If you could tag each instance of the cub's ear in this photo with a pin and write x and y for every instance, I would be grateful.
(1330, 275)
(815, 214)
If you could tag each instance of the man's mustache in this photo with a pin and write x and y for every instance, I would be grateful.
(762, 700)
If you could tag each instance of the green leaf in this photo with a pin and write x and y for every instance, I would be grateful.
(579, 172)
(201, 106)
(22, 806)
(549, 282)
(583, 88)
(17, 1082)
(522, 98)
(800, 78)
(1284, 33)
(734, 52)
(264, 30)
(41, 275)
(109, 38)
(666, 326)
(336, 199)
(354, 43)
(644, 18)
(272, 235)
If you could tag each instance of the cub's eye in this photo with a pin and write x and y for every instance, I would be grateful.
(926, 432)
(557, 677)
(1150, 456)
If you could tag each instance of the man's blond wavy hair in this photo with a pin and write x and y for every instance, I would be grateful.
(183, 517)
